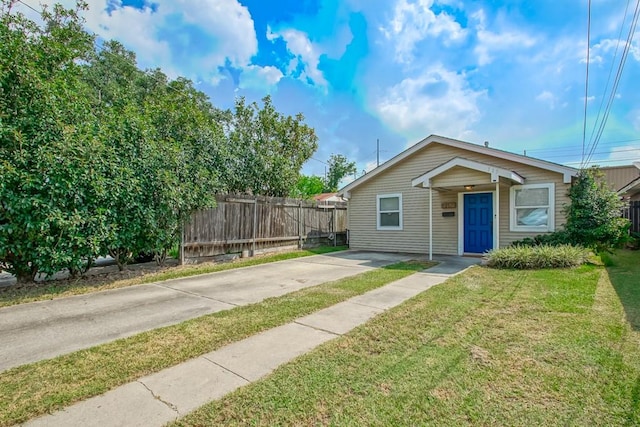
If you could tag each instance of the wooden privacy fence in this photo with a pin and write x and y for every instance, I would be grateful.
(632, 213)
(254, 223)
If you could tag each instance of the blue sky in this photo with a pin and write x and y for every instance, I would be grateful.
(511, 73)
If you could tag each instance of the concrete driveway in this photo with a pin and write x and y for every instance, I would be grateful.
(42, 330)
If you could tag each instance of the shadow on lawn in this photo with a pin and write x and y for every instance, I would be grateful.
(624, 272)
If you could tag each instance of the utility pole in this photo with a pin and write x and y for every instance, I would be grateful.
(377, 152)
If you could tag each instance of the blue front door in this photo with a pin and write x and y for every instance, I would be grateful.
(478, 222)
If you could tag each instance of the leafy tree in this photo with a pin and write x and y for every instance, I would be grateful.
(339, 168)
(166, 141)
(45, 161)
(266, 149)
(308, 186)
(593, 217)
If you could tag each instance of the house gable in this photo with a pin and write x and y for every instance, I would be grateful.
(567, 172)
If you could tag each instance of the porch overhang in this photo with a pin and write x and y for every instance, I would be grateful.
(495, 172)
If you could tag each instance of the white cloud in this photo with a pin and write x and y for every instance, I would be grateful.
(228, 22)
(621, 155)
(415, 21)
(254, 76)
(547, 98)
(611, 46)
(160, 34)
(438, 101)
(491, 43)
(135, 28)
(306, 54)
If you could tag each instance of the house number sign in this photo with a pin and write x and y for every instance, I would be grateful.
(448, 205)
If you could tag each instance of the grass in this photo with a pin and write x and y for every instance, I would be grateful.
(488, 347)
(31, 390)
(51, 290)
(624, 271)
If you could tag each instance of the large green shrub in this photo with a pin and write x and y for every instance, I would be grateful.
(594, 215)
(534, 257)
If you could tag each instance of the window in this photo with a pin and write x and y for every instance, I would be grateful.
(532, 207)
(389, 212)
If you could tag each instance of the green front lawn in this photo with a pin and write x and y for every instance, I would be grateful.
(488, 347)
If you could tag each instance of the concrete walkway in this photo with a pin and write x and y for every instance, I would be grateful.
(42, 330)
(167, 395)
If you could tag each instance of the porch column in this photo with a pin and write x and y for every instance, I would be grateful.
(430, 222)
(497, 214)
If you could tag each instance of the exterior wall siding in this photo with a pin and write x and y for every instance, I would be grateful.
(617, 177)
(414, 237)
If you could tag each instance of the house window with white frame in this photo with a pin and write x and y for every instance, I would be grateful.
(532, 207)
(389, 211)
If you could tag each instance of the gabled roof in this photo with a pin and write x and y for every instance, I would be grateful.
(496, 172)
(566, 171)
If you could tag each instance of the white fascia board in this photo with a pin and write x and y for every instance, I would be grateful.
(495, 172)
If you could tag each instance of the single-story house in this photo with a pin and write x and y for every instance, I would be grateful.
(444, 196)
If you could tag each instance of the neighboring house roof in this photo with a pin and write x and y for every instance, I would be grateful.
(631, 188)
(617, 177)
(328, 197)
(566, 171)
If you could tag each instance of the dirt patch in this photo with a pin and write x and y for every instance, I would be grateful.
(95, 276)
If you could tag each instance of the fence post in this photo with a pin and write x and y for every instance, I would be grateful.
(300, 224)
(335, 231)
(253, 229)
(181, 252)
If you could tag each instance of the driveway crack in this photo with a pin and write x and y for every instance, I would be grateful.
(157, 397)
(196, 295)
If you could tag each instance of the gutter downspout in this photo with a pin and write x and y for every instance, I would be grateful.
(497, 245)
(430, 222)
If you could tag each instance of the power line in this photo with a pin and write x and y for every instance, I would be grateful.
(586, 80)
(600, 152)
(614, 89)
(317, 160)
(573, 147)
(593, 162)
(613, 60)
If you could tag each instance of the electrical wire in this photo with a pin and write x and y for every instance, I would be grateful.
(623, 59)
(626, 150)
(613, 60)
(573, 147)
(586, 80)
(595, 162)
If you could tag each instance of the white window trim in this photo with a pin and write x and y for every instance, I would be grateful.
(551, 209)
(378, 211)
